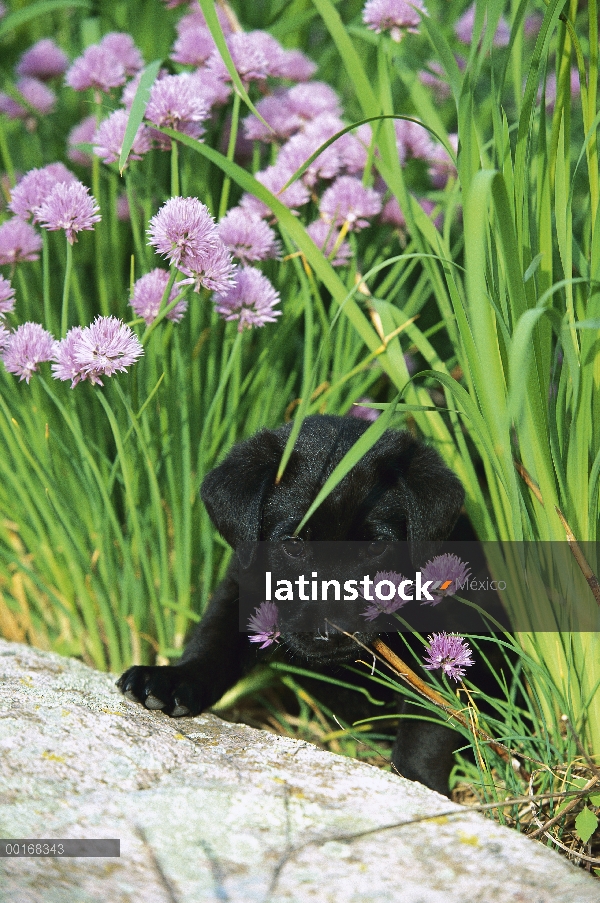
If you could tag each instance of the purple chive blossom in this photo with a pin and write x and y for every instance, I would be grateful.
(359, 410)
(70, 207)
(18, 241)
(7, 297)
(105, 347)
(248, 58)
(434, 77)
(83, 133)
(271, 49)
(147, 295)
(396, 16)
(123, 211)
(251, 300)
(185, 233)
(413, 140)
(463, 29)
(108, 140)
(176, 103)
(276, 111)
(247, 237)
(264, 625)
(44, 60)
(38, 97)
(532, 25)
(182, 231)
(65, 366)
(353, 148)
(441, 164)
(211, 88)
(551, 87)
(311, 100)
(97, 68)
(4, 337)
(450, 652)
(444, 568)
(121, 45)
(299, 148)
(213, 270)
(195, 17)
(26, 348)
(295, 66)
(326, 237)
(381, 605)
(274, 178)
(34, 188)
(193, 46)
(393, 215)
(349, 201)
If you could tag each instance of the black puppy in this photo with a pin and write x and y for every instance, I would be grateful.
(400, 490)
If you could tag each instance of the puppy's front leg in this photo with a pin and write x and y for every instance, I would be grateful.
(212, 662)
(424, 751)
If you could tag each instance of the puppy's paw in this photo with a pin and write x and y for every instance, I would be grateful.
(174, 689)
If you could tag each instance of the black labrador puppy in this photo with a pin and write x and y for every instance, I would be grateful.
(400, 490)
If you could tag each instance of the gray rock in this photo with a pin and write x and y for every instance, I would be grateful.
(210, 811)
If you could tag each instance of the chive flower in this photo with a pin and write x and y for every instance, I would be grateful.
(326, 237)
(65, 366)
(27, 347)
(108, 139)
(176, 103)
(444, 568)
(193, 46)
(44, 60)
(248, 55)
(35, 186)
(247, 237)
(147, 295)
(399, 17)
(105, 347)
(82, 133)
(4, 337)
(38, 97)
(349, 201)
(7, 297)
(311, 100)
(122, 47)
(295, 66)
(380, 604)
(463, 28)
(250, 300)
(274, 178)
(71, 207)
(18, 241)
(277, 112)
(361, 412)
(450, 652)
(96, 68)
(263, 625)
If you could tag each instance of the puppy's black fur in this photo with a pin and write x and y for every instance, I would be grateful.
(400, 490)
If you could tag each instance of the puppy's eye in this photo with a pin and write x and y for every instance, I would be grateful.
(377, 548)
(294, 547)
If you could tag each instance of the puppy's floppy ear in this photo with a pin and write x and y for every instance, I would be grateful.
(431, 494)
(234, 492)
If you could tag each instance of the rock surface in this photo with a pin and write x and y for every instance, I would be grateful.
(210, 811)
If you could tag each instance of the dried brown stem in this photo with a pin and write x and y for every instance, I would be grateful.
(385, 655)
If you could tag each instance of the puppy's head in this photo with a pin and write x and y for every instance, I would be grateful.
(400, 490)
